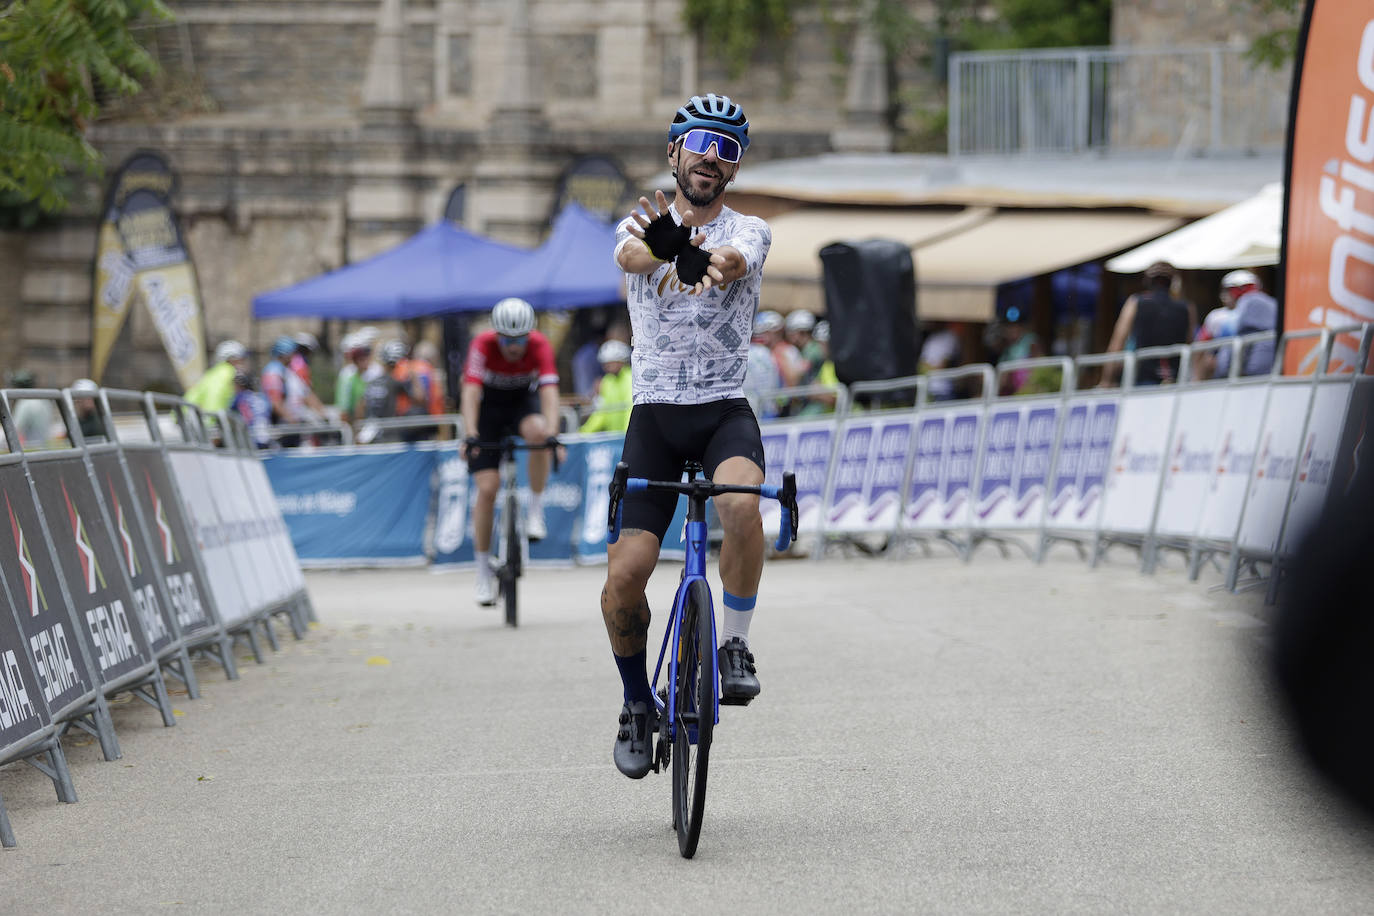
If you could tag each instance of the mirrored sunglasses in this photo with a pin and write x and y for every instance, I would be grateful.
(513, 341)
(699, 140)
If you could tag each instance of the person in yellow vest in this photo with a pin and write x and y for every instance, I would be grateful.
(213, 391)
(614, 393)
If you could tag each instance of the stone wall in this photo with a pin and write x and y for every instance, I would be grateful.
(1171, 23)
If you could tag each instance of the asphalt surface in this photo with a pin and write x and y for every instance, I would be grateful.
(931, 737)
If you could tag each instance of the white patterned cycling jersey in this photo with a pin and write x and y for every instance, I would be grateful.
(688, 348)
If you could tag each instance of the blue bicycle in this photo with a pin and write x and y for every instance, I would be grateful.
(689, 700)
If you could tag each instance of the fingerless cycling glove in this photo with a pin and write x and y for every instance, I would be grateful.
(665, 239)
(692, 264)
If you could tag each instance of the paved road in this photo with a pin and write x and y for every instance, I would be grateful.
(931, 737)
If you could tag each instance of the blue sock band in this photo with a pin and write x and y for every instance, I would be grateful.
(736, 603)
(635, 676)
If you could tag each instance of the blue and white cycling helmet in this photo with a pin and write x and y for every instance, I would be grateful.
(712, 112)
(284, 346)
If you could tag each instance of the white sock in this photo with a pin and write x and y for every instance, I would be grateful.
(483, 564)
(536, 502)
(736, 615)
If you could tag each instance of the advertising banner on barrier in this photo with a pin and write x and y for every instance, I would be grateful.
(805, 451)
(279, 535)
(258, 574)
(158, 623)
(1142, 437)
(942, 481)
(1275, 462)
(1237, 439)
(210, 536)
(1080, 474)
(1325, 424)
(601, 452)
(172, 539)
(263, 529)
(1015, 467)
(867, 491)
(57, 652)
(351, 507)
(105, 607)
(1192, 461)
(22, 710)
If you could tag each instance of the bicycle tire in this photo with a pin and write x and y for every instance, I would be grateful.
(512, 538)
(695, 695)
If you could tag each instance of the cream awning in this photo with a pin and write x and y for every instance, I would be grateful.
(961, 255)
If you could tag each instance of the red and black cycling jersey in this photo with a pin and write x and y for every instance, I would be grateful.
(486, 366)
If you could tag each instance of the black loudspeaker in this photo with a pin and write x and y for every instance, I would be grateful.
(870, 302)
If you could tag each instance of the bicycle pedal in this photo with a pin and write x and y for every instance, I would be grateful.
(735, 701)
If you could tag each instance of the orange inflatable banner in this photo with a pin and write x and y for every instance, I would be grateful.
(1328, 233)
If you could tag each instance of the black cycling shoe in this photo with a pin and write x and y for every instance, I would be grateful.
(634, 741)
(738, 683)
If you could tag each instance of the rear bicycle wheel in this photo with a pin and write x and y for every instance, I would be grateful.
(511, 535)
(695, 699)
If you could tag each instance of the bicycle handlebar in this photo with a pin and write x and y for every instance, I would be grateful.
(512, 444)
(786, 495)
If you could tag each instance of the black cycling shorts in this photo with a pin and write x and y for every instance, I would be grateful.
(663, 436)
(498, 418)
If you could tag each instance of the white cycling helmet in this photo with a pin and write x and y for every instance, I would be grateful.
(393, 351)
(613, 351)
(306, 339)
(84, 386)
(821, 332)
(800, 320)
(767, 320)
(512, 317)
(230, 349)
(1238, 278)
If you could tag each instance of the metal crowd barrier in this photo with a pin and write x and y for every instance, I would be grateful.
(108, 579)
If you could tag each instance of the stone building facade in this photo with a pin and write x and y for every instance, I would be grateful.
(323, 131)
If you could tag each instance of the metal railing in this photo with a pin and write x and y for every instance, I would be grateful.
(1077, 100)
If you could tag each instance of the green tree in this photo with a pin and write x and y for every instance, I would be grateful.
(54, 54)
(1279, 45)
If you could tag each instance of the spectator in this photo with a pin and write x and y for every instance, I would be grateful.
(1252, 310)
(34, 418)
(586, 367)
(1155, 319)
(940, 350)
(1018, 342)
(88, 417)
(825, 373)
(254, 408)
(306, 345)
(291, 399)
(614, 393)
(213, 391)
(761, 375)
(350, 382)
(424, 364)
(768, 329)
(797, 330)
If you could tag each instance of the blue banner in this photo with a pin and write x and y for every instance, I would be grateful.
(353, 506)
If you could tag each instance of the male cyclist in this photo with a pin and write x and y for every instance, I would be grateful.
(693, 271)
(510, 387)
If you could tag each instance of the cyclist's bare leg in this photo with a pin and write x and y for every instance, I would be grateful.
(534, 429)
(487, 482)
(630, 562)
(741, 551)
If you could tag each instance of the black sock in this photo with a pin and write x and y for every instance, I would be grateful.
(635, 676)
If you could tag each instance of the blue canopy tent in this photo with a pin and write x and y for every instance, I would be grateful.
(427, 274)
(444, 269)
(572, 269)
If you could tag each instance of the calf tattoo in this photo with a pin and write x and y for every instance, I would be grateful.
(628, 627)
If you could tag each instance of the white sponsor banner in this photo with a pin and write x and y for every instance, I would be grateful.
(211, 537)
(1142, 437)
(1237, 438)
(279, 534)
(263, 531)
(941, 485)
(804, 449)
(866, 490)
(254, 566)
(1015, 465)
(1325, 423)
(1192, 461)
(1274, 464)
(1080, 471)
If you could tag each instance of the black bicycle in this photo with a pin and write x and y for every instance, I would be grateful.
(689, 700)
(510, 557)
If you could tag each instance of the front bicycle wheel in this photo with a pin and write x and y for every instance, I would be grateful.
(695, 700)
(511, 535)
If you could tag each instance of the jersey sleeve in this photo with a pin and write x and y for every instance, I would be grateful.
(752, 240)
(543, 356)
(476, 366)
(622, 236)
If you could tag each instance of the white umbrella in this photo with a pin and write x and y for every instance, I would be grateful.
(1243, 235)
